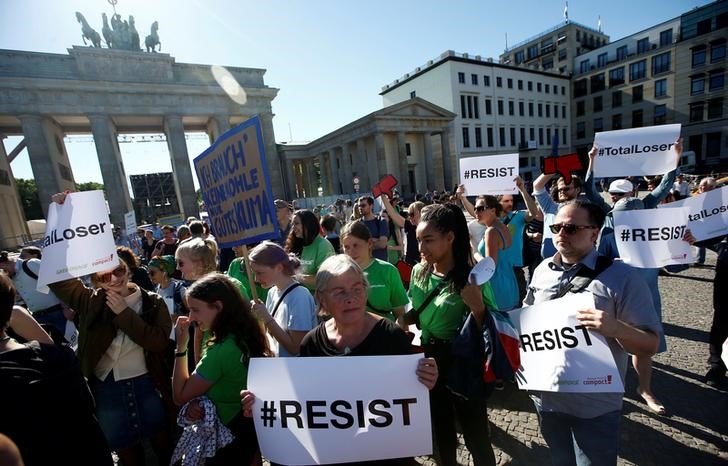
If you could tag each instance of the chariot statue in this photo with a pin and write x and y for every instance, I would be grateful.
(87, 32)
(118, 34)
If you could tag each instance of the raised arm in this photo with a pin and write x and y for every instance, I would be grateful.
(652, 199)
(541, 181)
(590, 189)
(528, 199)
(393, 214)
(464, 200)
(27, 327)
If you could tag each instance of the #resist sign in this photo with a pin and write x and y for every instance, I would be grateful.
(78, 240)
(355, 409)
(489, 174)
(652, 238)
(636, 151)
(707, 213)
(558, 354)
(236, 188)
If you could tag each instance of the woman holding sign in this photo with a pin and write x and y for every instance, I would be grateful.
(441, 300)
(386, 295)
(306, 242)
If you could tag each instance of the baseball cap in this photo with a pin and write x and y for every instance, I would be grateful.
(620, 187)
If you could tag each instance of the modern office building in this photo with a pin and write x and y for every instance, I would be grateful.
(499, 108)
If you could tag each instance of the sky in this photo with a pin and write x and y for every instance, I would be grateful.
(329, 59)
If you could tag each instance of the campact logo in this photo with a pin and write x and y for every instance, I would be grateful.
(103, 260)
(606, 380)
(57, 236)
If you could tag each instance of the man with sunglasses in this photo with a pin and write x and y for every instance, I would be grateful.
(583, 428)
(561, 192)
(377, 227)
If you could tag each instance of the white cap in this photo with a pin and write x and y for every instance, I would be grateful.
(621, 187)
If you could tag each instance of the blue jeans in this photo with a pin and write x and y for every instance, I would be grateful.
(583, 442)
(701, 255)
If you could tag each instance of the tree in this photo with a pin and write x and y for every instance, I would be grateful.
(28, 192)
(89, 186)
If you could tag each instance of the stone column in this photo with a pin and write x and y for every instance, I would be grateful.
(217, 125)
(403, 165)
(310, 177)
(381, 157)
(271, 155)
(347, 172)
(324, 178)
(183, 183)
(334, 172)
(48, 158)
(290, 174)
(446, 159)
(112, 167)
(362, 170)
(428, 161)
(13, 227)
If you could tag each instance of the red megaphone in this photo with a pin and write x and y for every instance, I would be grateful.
(384, 186)
(563, 165)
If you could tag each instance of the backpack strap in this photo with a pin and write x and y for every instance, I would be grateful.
(584, 276)
(280, 300)
(27, 270)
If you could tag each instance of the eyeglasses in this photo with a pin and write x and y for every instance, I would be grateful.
(340, 294)
(568, 228)
(565, 189)
(117, 272)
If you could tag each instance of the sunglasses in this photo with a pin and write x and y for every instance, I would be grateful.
(480, 208)
(565, 189)
(568, 228)
(117, 272)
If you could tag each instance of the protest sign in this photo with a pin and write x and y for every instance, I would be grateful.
(354, 409)
(130, 223)
(176, 220)
(650, 239)
(558, 354)
(385, 186)
(78, 240)
(235, 185)
(563, 165)
(489, 174)
(707, 213)
(636, 151)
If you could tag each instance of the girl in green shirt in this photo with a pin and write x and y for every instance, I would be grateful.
(306, 242)
(386, 295)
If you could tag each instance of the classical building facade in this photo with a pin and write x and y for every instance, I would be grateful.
(498, 109)
(107, 92)
(410, 140)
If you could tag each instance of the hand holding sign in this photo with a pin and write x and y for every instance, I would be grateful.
(564, 166)
(385, 186)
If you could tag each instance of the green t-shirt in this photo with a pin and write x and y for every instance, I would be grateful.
(447, 311)
(386, 290)
(392, 254)
(314, 254)
(237, 270)
(222, 365)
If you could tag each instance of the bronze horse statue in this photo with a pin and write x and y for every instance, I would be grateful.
(88, 32)
(152, 40)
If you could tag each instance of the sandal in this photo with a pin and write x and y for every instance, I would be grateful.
(652, 403)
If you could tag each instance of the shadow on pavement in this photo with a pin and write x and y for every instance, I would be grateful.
(685, 333)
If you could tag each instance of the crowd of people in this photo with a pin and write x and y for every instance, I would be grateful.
(165, 338)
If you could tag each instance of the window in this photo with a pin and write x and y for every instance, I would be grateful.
(486, 81)
(466, 136)
(661, 88)
(712, 144)
(563, 90)
(717, 51)
(598, 104)
(580, 108)
(562, 54)
(488, 107)
(530, 109)
(580, 88)
(520, 109)
(602, 60)
(666, 37)
(584, 66)
(661, 63)
(698, 56)
(637, 70)
(616, 99)
(474, 79)
(547, 88)
(5, 178)
(716, 80)
(509, 82)
(715, 109)
(532, 52)
(499, 81)
(413, 94)
(548, 63)
(520, 84)
(643, 45)
(548, 111)
(520, 56)
(580, 130)
(489, 135)
(500, 107)
(408, 149)
(470, 106)
(522, 133)
(538, 87)
(461, 78)
(502, 136)
(696, 111)
(563, 136)
(695, 144)
(563, 111)
(637, 94)
(65, 172)
(513, 136)
(548, 135)
(478, 137)
(463, 112)
(697, 85)
(617, 121)
(556, 111)
(511, 110)
(598, 125)
(530, 86)
(622, 52)
(476, 107)
(616, 76)
(597, 83)
(540, 136)
(540, 110)
(531, 134)
(660, 114)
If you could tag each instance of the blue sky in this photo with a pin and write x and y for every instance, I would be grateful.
(328, 58)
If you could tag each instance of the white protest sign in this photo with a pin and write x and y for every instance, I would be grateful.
(707, 213)
(558, 354)
(489, 174)
(636, 151)
(78, 239)
(130, 223)
(651, 239)
(322, 410)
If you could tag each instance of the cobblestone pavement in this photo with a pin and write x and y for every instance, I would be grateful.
(695, 429)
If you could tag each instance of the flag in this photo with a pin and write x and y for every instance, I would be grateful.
(566, 11)
(599, 23)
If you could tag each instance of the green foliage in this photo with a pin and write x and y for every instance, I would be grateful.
(28, 192)
(89, 186)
